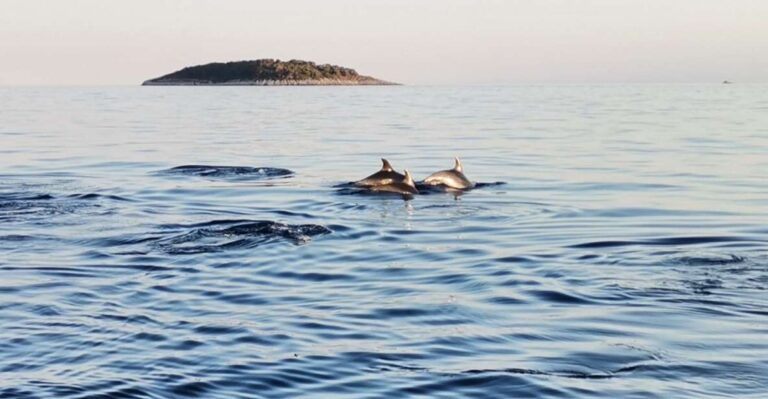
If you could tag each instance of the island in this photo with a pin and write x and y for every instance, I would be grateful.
(265, 72)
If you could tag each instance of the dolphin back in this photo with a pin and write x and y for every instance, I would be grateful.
(449, 178)
(380, 178)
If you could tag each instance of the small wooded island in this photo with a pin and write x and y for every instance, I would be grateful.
(265, 72)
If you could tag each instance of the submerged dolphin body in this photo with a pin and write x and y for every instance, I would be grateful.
(406, 186)
(451, 178)
(386, 175)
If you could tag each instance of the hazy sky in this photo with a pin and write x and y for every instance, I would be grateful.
(99, 42)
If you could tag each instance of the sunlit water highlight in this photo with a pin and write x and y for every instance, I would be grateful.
(625, 255)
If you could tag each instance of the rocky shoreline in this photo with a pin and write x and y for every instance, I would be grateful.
(286, 82)
(266, 72)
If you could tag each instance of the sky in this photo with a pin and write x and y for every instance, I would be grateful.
(116, 42)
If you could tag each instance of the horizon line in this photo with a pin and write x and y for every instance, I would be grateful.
(532, 83)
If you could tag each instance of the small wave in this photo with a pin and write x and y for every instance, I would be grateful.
(22, 196)
(430, 189)
(97, 196)
(17, 238)
(219, 235)
(26, 206)
(709, 260)
(229, 172)
(667, 241)
(559, 297)
(31, 207)
(564, 373)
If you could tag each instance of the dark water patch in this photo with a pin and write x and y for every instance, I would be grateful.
(222, 235)
(515, 259)
(59, 271)
(506, 300)
(283, 212)
(195, 389)
(514, 282)
(242, 299)
(138, 319)
(351, 336)
(318, 326)
(455, 278)
(185, 345)
(558, 297)
(123, 393)
(476, 386)
(262, 340)
(338, 228)
(229, 172)
(469, 252)
(149, 337)
(459, 381)
(605, 244)
(589, 257)
(563, 374)
(480, 185)
(401, 312)
(46, 310)
(17, 393)
(703, 240)
(316, 277)
(220, 330)
(671, 241)
(370, 359)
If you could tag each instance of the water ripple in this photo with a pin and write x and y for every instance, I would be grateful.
(220, 235)
(229, 172)
(625, 256)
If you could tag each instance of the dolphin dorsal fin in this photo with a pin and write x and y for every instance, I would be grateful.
(386, 166)
(457, 165)
(408, 179)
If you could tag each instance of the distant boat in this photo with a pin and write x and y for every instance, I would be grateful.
(727, 82)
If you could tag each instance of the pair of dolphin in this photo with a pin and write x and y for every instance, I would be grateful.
(389, 180)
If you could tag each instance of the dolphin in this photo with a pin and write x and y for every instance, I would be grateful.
(386, 175)
(451, 178)
(406, 186)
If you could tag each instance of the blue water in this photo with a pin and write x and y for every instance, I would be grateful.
(625, 255)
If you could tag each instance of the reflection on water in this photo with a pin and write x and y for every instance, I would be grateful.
(624, 254)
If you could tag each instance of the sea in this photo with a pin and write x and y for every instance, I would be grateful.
(204, 242)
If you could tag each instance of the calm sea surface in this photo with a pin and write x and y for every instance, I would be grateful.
(625, 255)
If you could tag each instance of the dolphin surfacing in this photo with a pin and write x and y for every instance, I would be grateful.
(386, 175)
(451, 178)
(406, 186)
